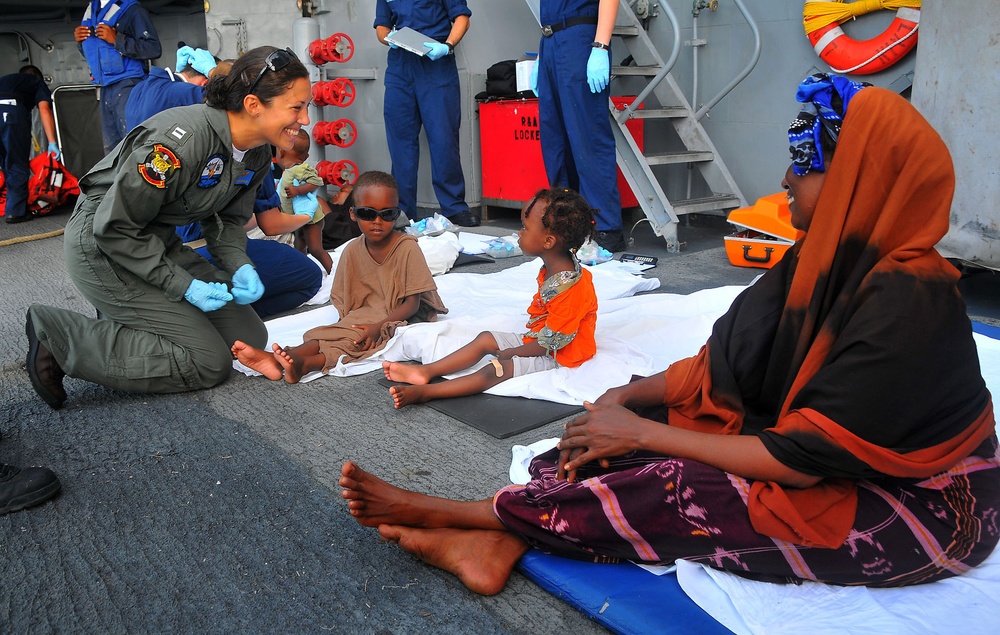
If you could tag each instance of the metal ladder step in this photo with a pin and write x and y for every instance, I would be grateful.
(674, 112)
(673, 158)
(706, 204)
(625, 30)
(635, 71)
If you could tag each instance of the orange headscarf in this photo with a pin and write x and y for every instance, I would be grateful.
(853, 357)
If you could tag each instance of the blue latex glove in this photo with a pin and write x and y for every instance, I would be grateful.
(207, 296)
(202, 61)
(391, 45)
(308, 205)
(305, 203)
(54, 150)
(533, 79)
(436, 50)
(185, 55)
(598, 70)
(247, 286)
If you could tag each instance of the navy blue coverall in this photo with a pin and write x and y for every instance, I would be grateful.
(424, 92)
(19, 94)
(159, 90)
(578, 147)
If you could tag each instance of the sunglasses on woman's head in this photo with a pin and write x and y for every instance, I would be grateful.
(274, 62)
(388, 214)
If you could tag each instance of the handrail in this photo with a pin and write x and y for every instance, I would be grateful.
(743, 74)
(626, 114)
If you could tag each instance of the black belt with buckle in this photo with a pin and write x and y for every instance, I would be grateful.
(549, 29)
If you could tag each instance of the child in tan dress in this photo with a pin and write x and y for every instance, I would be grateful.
(382, 282)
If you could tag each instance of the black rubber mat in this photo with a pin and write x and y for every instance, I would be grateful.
(499, 416)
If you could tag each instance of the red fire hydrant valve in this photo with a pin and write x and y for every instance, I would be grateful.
(339, 92)
(341, 133)
(340, 173)
(339, 47)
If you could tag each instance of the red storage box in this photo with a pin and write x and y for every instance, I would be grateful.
(512, 152)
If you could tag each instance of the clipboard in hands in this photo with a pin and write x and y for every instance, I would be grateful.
(411, 40)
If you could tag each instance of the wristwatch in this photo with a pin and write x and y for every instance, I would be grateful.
(451, 47)
(601, 45)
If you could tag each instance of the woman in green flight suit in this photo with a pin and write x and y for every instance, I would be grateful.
(170, 317)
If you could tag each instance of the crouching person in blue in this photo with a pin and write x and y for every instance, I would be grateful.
(171, 316)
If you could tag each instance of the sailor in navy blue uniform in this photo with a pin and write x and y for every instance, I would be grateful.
(424, 91)
(20, 93)
(573, 71)
(118, 39)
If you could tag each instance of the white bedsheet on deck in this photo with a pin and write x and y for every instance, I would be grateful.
(968, 604)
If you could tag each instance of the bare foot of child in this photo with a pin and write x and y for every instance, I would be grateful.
(406, 395)
(406, 373)
(260, 361)
(482, 559)
(290, 362)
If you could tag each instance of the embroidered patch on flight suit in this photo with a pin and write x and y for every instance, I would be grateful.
(245, 178)
(211, 174)
(158, 165)
(179, 133)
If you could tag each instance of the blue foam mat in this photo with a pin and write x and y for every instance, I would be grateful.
(622, 597)
(990, 331)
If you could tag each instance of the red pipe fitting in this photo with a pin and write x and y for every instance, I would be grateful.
(341, 133)
(339, 47)
(339, 92)
(340, 173)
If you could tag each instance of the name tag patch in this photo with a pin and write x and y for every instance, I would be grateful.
(245, 178)
(211, 174)
(159, 163)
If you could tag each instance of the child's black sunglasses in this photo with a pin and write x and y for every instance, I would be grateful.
(368, 214)
(274, 62)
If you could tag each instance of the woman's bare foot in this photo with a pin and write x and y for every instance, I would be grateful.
(374, 502)
(289, 362)
(481, 558)
(406, 373)
(257, 359)
(406, 395)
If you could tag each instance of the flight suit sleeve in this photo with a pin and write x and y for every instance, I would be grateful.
(146, 177)
(225, 233)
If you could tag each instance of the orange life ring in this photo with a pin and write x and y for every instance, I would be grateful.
(847, 56)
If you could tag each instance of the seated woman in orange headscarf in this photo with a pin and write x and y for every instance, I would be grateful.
(835, 427)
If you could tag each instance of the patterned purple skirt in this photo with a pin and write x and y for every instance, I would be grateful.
(656, 509)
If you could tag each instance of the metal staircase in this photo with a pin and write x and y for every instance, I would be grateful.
(699, 151)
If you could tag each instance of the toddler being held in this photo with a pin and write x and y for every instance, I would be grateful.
(297, 191)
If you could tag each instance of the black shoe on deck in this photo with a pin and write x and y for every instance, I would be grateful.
(613, 240)
(465, 219)
(24, 488)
